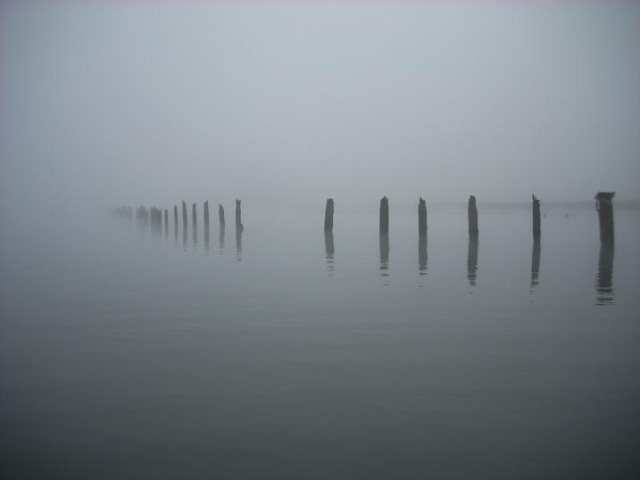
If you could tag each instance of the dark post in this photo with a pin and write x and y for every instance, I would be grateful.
(384, 216)
(328, 216)
(472, 260)
(604, 206)
(206, 216)
(239, 225)
(472, 211)
(194, 215)
(184, 215)
(422, 218)
(536, 217)
(535, 264)
(166, 222)
(175, 216)
(221, 214)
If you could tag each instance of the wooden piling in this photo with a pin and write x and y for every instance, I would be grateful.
(175, 217)
(472, 260)
(535, 263)
(184, 215)
(239, 225)
(194, 215)
(206, 215)
(472, 212)
(221, 214)
(422, 254)
(384, 216)
(604, 279)
(535, 205)
(422, 218)
(166, 222)
(328, 216)
(604, 206)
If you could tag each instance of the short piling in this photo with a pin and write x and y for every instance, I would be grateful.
(535, 206)
(328, 216)
(472, 212)
(422, 218)
(604, 206)
(384, 216)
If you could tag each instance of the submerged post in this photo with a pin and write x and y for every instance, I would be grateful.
(472, 212)
(535, 205)
(239, 225)
(604, 206)
(328, 216)
(384, 216)
(422, 218)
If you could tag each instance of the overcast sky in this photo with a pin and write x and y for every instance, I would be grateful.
(144, 102)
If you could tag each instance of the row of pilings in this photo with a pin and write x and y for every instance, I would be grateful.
(604, 206)
(154, 216)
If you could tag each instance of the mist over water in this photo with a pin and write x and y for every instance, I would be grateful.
(299, 353)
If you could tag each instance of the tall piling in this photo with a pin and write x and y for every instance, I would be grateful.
(535, 207)
(604, 206)
(328, 216)
(239, 225)
(472, 213)
(384, 216)
(422, 218)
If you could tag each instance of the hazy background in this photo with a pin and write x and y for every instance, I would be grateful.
(139, 102)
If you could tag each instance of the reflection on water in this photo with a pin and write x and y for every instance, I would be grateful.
(239, 244)
(384, 255)
(222, 232)
(535, 264)
(472, 260)
(422, 254)
(604, 280)
(329, 250)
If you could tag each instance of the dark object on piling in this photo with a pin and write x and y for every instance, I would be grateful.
(221, 214)
(604, 206)
(384, 216)
(422, 218)
(535, 205)
(239, 225)
(328, 216)
(472, 212)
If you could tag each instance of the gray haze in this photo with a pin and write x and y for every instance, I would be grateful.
(133, 102)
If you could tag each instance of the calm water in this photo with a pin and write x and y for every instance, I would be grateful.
(287, 354)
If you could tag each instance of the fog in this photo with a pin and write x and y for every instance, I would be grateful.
(130, 103)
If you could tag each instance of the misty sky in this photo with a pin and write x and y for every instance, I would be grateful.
(153, 102)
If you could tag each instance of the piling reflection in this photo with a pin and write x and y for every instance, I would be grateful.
(239, 244)
(329, 251)
(472, 260)
(422, 254)
(384, 255)
(535, 264)
(604, 280)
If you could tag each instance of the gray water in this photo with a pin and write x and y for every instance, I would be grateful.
(288, 354)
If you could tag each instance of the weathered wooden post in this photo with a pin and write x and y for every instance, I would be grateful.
(328, 216)
(535, 205)
(166, 222)
(604, 206)
(194, 216)
(384, 216)
(239, 225)
(422, 218)
(221, 215)
(184, 215)
(206, 224)
(472, 212)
